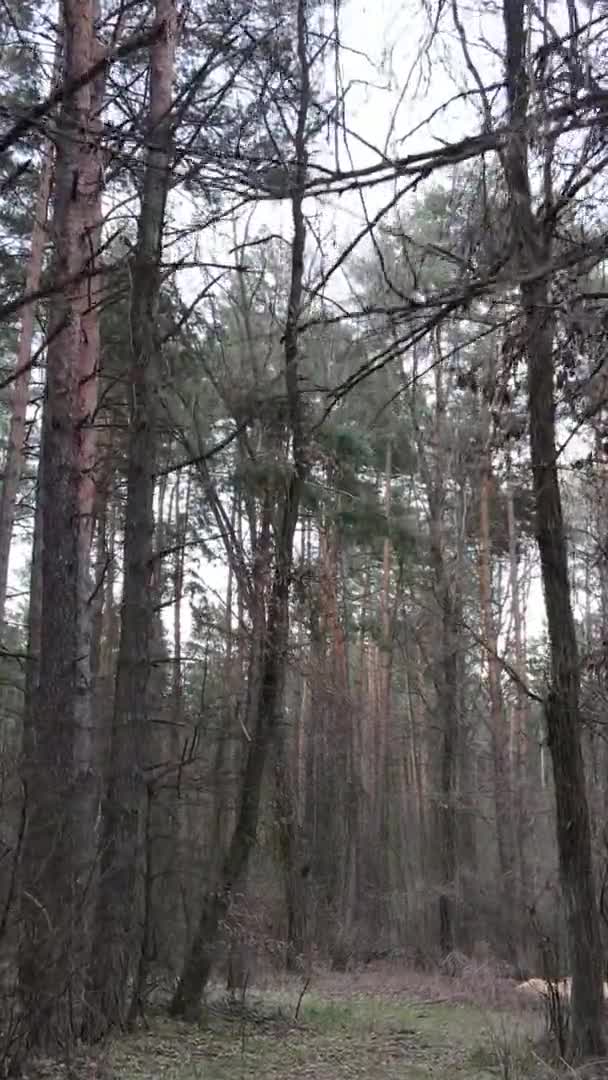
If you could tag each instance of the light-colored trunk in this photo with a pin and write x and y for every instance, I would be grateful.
(87, 744)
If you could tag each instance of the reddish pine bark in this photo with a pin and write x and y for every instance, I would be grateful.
(59, 846)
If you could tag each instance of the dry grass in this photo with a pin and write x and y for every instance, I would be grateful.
(477, 984)
(382, 1023)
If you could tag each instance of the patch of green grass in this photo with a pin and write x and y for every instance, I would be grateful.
(326, 1015)
(361, 1038)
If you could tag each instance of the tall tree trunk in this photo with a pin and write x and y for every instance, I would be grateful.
(199, 959)
(87, 744)
(532, 241)
(119, 902)
(58, 853)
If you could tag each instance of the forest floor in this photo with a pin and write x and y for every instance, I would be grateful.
(372, 1028)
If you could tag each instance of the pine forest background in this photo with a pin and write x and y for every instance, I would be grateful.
(304, 503)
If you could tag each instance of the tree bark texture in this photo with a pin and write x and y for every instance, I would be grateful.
(531, 241)
(59, 847)
(118, 924)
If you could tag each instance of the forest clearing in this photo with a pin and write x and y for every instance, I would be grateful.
(377, 1026)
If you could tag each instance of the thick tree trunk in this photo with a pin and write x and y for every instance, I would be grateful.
(532, 243)
(87, 745)
(118, 926)
(58, 852)
(562, 706)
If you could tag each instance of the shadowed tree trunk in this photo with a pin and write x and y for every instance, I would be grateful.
(118, 925)
(533, 248)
